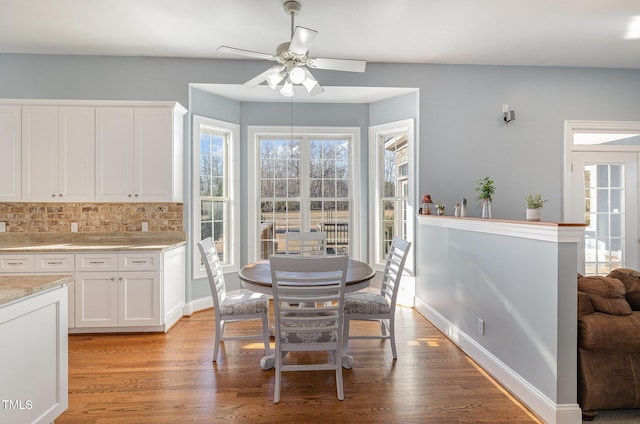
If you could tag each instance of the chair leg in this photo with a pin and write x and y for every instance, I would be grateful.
(392, 336)
(339, 385)
(266, 334)
(345, 335)
(276, 391)
(383, 328)
(216, 341)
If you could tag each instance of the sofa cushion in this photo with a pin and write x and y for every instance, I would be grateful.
(631, 280)
(584, 304)
(599, 331)
(606, 294)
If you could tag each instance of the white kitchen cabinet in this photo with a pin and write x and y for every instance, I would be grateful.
(113, 291)
(141, 291)
(43, 263)
(139, 153)
(58, 145)
(115, 298)
(10, 159)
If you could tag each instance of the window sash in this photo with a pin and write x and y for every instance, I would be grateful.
(214, 210)
(255, 134)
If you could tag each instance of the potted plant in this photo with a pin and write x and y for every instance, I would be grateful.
(439, 208)
(534, 206)
(485, 188)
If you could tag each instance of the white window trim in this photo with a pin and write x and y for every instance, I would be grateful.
(233, 173)
(375, 160)
(254, 133)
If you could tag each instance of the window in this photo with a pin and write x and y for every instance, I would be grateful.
(391, 147)
(216, 189)
(305, 181)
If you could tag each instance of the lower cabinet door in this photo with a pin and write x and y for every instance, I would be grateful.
(96, 299)
(139, 299)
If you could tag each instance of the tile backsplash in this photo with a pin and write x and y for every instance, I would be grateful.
(91, 217)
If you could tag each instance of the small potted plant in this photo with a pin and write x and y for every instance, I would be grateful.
(485, 188)
(439, 208)
(534, 206)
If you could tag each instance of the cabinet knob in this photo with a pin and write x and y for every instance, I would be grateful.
(113, 278)
(136, 195)
(120, 278)
(53, 195)
(60, 195)
(129, 194)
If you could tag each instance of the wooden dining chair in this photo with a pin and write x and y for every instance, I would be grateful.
(297, 283)
(305, 243)
(229, 308)
(381, 307)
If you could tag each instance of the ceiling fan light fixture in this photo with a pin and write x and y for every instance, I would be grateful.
(274, 79)
(297, 75)
(287, 89)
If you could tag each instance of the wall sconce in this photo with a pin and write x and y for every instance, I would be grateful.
(509, 115)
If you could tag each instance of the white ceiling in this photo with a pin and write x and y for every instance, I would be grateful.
(582, 33)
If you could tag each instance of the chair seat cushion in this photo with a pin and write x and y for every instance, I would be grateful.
(365, 303)
(244, 304)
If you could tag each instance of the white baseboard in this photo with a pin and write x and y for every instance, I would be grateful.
(540, 404)
(197, 305)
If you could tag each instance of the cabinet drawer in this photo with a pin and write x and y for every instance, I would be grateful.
(139, 262)
(55, 263)
(96, 262)
(16, 263)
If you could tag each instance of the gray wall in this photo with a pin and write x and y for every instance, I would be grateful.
(461, 136)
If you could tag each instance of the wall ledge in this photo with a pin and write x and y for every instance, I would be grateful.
(543, 231)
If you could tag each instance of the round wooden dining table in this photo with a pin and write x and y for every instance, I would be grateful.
(256, 277)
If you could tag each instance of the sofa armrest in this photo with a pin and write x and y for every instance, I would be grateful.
(603, 332)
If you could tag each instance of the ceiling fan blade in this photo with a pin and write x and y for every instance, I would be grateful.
(301, 40)
(242, 52)
(255, 81)
(348, 65)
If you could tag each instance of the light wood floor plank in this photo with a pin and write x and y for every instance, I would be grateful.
(170, 378)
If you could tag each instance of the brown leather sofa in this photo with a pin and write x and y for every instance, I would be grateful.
(609, 342)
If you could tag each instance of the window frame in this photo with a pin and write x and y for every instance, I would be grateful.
(255, 133)
(232, 175)
(377, 134)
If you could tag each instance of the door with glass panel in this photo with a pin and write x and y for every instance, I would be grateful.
(607, 202)
(304, 186)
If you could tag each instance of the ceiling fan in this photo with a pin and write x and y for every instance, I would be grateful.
(293, 60)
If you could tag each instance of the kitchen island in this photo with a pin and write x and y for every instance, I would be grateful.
(33, 357)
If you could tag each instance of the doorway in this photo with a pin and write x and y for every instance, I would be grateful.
(601, 190)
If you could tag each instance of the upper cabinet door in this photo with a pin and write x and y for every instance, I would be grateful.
(58, 153)
(40, 153)
(154, 154)
(76, 152)
(138, 154)
(114, 154)
(10, 159)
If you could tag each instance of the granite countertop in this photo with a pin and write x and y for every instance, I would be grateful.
(90, 242)
(18, 286)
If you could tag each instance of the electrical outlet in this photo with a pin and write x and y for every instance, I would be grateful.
(3, 227)
(74, 227)
(480, 326)
(505, 108)
(145, 226)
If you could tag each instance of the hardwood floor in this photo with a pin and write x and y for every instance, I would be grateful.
(170, 378)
